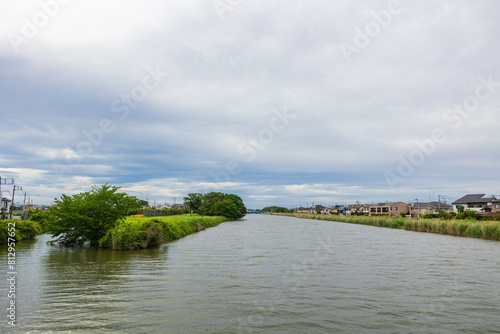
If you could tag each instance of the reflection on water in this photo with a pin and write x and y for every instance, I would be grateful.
(264, 274)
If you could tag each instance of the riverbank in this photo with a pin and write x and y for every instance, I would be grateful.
(24, 230)
(144, 232)
(464, 228)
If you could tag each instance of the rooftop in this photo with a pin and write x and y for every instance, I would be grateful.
(473, 198)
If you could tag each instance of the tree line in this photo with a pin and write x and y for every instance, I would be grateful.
(216, 204)
(88, 216)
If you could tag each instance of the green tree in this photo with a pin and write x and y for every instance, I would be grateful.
(402, 215)
(239, 203)
(44, 218)
(194, 201)
(88, 216)
(460, 208)
(207, 204)
(277, 209)
(209, 200)
(227, 208)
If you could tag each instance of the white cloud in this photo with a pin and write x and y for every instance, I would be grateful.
(224, 79)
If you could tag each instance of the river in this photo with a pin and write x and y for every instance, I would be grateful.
(263, 274)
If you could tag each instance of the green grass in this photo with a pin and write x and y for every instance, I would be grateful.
(143, 232)
(464, 228)
(24, 229)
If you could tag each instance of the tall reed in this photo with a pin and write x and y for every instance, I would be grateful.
(465, 228)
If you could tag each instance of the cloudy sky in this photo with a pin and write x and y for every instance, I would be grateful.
(281, 102)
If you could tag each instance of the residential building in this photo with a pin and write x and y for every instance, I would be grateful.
(5, 205)
(359, 208)
(301, 209)
(323, 209)
(475, 202)
(430, 207)
(392, 209)
(495, 206)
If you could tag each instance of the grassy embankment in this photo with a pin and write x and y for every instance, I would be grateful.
(464, 228)
(24, 229)
(143, 232)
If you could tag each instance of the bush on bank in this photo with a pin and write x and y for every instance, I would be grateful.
(24, 229)
(136, 233)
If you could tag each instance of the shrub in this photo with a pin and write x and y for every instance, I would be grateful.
(471, 214)
(23, 229)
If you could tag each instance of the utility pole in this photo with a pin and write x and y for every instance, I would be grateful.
(24, 205)
(439, 197)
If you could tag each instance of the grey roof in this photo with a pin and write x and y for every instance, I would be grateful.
(473, 198)
(387, 204)
(433, 204)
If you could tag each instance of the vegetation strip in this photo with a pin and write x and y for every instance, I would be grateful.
(465, 228)
(140, 232)
(24, 229)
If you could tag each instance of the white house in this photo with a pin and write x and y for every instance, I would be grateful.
(5, 205)
(475, 202)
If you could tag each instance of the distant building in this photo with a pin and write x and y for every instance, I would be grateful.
(391, 209)
(301, 209)
(5, 205)
(495, 206)
(323, 209)
(430, 207)
(357, 208)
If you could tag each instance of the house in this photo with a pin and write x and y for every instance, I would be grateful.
(391, 209)
(430, 207)
(357, 208)
(301, 209)
(338, 209)
(323, 209)
(475, 202)
(495, 206)
(31, 207)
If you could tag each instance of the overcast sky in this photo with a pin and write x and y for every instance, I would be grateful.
(281, 102)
